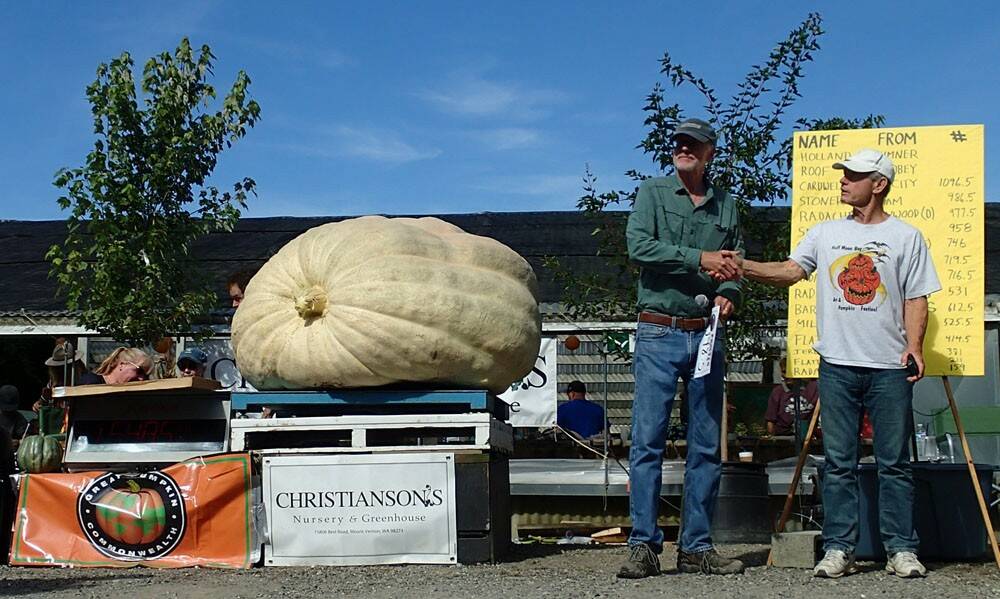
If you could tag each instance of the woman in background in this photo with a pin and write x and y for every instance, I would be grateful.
(124, 365)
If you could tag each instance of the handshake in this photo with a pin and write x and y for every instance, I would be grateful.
(723, 265)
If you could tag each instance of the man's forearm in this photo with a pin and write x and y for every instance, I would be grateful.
(780, 274)
(915, 322)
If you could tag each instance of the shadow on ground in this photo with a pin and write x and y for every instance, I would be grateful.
(22, 587)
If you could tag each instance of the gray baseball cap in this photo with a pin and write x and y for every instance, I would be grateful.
(868, 161)
(696, 128)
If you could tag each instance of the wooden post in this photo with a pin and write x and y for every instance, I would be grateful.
(972, 470)
(799, 465)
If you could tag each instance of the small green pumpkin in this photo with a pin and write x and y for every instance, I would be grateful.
(41, 452)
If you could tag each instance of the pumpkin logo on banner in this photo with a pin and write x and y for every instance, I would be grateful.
(132, 517)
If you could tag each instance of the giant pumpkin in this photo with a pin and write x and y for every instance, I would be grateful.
(373, 301)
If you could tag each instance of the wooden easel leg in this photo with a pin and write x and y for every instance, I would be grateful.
(972, 470)
(786, 512)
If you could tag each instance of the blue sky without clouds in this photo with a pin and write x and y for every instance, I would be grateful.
(471, 106)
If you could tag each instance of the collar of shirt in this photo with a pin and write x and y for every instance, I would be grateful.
(682, 191)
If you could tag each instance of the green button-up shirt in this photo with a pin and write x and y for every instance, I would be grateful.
(666, 234)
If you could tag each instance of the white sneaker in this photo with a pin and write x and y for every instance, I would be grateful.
(905, 565)
(835, 563)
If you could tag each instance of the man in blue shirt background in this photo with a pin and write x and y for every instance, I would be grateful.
(580, 415)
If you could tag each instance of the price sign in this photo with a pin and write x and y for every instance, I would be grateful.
(938, 189)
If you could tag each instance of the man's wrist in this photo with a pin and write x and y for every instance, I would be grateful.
(693, 259)
(730, 294)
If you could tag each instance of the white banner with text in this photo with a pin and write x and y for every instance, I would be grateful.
(533, 399)
(348, 510)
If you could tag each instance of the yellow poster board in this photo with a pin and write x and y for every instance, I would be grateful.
(939, 189)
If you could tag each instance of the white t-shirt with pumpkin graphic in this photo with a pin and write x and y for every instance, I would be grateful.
(863, 275)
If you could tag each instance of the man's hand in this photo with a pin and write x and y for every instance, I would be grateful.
(723, 265)
(725, 307)
(918, 357)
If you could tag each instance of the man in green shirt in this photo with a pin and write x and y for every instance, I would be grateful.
(676, 233)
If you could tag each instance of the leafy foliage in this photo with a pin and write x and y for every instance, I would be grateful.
(751, 161)
(141, 199)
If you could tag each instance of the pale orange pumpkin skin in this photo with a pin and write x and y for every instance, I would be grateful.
(373, 301)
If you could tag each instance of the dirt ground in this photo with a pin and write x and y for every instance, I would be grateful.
(531, 571)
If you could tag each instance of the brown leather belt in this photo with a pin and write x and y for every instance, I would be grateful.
(684, 324)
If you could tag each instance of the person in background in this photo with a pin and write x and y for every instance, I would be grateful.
(579, 414)
(237, 285)
(192, 362)
(65, 368)
(780, 415)
(11, 420)
(124, 365)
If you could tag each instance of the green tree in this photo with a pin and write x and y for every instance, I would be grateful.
(751, 160)
(141, 198)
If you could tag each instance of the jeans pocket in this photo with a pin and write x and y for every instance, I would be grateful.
(649, 331)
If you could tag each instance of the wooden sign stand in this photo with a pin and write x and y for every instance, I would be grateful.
(972, 470)
(984, 511)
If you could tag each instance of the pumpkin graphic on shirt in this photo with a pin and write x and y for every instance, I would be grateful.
(856, 275)
(859, 280)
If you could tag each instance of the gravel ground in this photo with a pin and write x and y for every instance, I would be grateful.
(532, 571)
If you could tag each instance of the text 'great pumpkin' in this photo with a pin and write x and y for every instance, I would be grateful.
(373, 301)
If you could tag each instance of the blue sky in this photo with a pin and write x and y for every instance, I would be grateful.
(450, 107)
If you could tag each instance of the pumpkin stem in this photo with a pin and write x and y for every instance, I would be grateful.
(133, 486)
(312, 303)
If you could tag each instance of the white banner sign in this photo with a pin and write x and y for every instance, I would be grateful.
(533, 399)
(360, 509)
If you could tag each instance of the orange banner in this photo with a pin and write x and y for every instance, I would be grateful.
(196, 513)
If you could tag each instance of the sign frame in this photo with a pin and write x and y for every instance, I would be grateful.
(351, 543)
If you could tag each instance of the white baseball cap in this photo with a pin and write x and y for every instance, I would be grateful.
(869, 161)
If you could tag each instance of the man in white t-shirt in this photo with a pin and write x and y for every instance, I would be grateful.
(873, 276)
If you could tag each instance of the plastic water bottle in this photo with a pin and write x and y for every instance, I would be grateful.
(921, 437)
(931, 452)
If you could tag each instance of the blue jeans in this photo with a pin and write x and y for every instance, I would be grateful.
(844, 392)
(662, 354)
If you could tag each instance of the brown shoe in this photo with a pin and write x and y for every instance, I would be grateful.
(707, 562)
(642, 562)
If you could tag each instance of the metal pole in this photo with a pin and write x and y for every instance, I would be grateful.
(607, 482)
(796, 394)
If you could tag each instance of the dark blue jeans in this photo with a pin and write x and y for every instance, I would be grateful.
(844, 391)
(662, 354)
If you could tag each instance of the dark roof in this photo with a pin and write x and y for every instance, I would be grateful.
(534, 235)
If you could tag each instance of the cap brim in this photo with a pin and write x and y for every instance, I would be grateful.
(693, 135)
(857, 167)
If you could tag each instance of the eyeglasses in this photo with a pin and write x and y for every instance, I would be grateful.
(139, 370)
(682, 142)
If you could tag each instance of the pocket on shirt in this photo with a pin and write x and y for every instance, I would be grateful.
(719, 237)
(675, 222)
